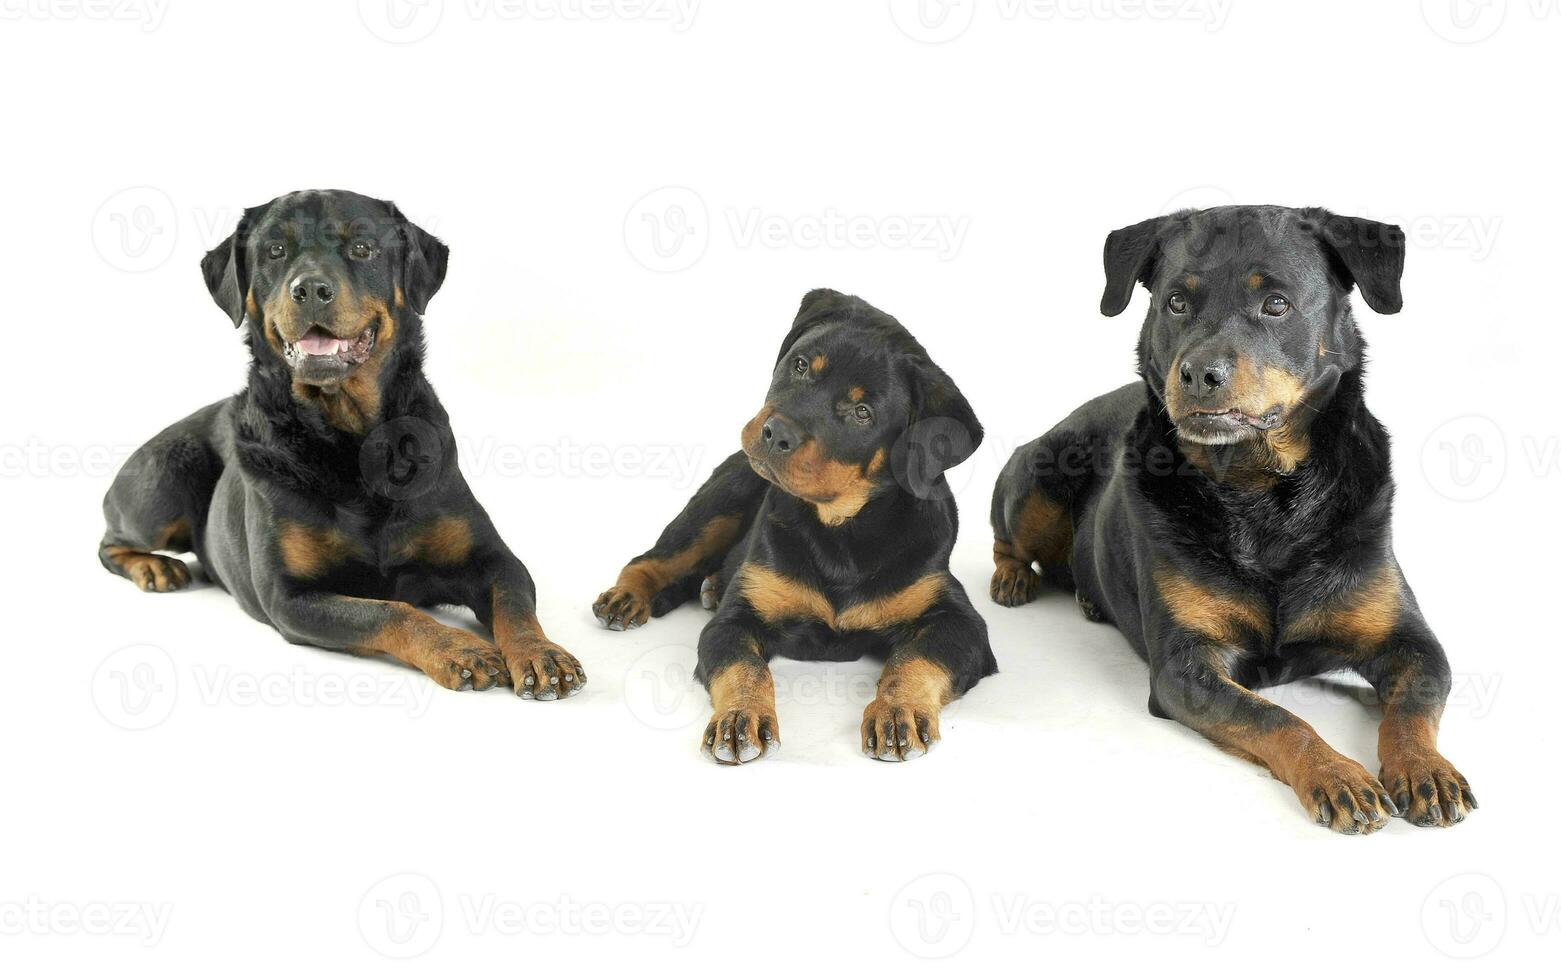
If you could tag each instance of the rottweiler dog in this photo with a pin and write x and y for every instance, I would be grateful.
(1231, 513)
(827, 538)
(325, 496)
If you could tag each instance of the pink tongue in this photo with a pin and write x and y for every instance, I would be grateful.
(319, 343)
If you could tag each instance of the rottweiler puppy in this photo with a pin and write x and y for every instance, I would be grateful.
(827, 538)
(1231, 514)
(325, 496)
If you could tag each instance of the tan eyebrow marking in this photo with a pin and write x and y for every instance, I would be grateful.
(857, 393)
(1255, 281)
(1192, 282)
(819, 363)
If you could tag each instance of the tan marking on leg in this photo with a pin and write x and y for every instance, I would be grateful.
(1427, 788)
(648, 576)
(902, 721)
(452, 657)
(1220, 616)
(744, 726)
(1043, 531)
(628, 601)
(176, 535)
(539, 668)
(1331, 787)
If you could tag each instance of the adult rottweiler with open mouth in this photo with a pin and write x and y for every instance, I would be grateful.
(1231, 513)
(827, 538)
(325, 496)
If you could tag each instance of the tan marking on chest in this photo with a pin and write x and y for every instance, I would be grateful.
(776, 598)
(444, 541)
(310, 552)
(1362, 619)
(1225, 617)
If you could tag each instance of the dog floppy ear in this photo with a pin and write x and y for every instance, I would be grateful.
(1129, 255)
(817, 306)
(943, 430)
(1368, 255)
(226, 277)
(424, 259)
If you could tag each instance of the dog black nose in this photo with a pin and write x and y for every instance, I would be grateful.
(312, 289)
(1205, 379)
(780, 436)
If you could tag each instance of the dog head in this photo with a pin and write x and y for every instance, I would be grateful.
(1249, 326)
(856, 406)
(325, 279)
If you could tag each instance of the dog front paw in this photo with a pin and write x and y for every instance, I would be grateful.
(464, 662)
(1340, 794)
(740, 735)
(544, 671)
(1427, 789)
(898, 731)
(621, 609)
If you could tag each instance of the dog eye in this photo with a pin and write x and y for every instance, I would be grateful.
(361, 249)
(863, 414)
(1276, 305)
(1176, 303)
(800, 367)
(276, 250)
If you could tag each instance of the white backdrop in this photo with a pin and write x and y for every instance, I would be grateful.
(636, 195)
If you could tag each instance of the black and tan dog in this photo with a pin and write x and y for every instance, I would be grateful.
(325, 496)
(827, 538)
(1231, 513)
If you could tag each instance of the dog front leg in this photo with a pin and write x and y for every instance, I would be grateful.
(734, 667)
(454, 658)
(1413, 679)
(1193, 685)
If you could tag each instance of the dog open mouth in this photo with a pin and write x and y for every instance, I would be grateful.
(321, 355)
(1225, 427)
